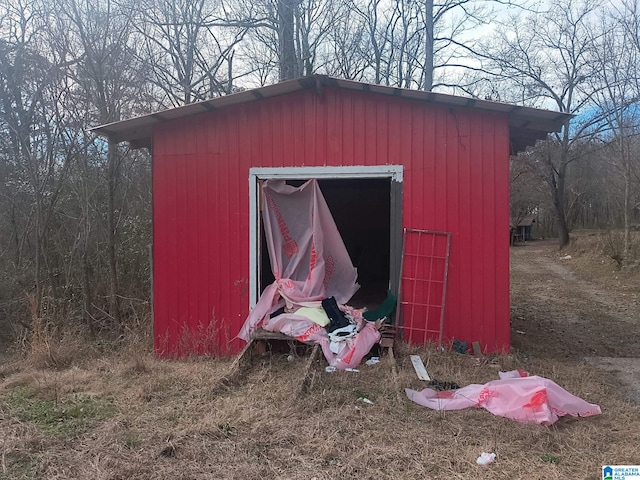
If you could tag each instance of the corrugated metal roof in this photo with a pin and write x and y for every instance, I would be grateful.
(526, 124)
(527, 221)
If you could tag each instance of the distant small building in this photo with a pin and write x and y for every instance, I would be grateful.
(523, 231)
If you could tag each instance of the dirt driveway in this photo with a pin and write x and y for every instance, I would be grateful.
(569, 310)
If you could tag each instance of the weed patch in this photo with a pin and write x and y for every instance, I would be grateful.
(62, 419)
(549, 458)
(131, 440)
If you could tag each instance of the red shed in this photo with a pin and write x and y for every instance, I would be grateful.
(385, 158)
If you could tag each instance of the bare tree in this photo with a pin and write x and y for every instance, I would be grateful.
(348, 47)
(32, 96)
(378, 23)
(286, 39)
(448, 35)
(108, 81)
(190, 48)
(618, 94)
(546, 58)
(292, 34)
(410, 42)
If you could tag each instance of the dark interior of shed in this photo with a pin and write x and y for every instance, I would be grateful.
(361, 211)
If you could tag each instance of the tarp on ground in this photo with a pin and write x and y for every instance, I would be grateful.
(526, 399)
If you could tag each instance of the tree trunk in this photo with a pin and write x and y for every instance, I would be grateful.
(38, 254)
(428, 46)
(626, 165)
(16, 236)
(288, 62)
(86, 292)
(86, 267)
(111, 221)
(558, 203)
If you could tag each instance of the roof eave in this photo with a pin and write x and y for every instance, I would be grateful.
(527, 125)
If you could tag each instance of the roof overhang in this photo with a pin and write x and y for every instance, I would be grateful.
(526, 125)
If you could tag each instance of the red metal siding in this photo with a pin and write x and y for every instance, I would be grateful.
(455, 179)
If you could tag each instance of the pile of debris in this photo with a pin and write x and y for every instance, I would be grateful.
(314, 279)
(341, 331)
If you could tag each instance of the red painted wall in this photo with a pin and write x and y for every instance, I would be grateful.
(456, 179)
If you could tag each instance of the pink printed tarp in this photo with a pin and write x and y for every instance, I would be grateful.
(352, 349)
(526, 399)
(309, 262)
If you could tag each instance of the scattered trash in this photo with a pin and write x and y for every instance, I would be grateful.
(331, 368)
(418, 366)
(365, 400)
(337, 319)
(372, 361)
(486, 458)
(441, 386)
(388, 334)
(346, 352)
(316, 315)
(513, 374)
(290, 358)
(340, 335)
(170, 450)
(477, 349)
(460, 346)
(520, 332)
(566, 257)
(526, 399)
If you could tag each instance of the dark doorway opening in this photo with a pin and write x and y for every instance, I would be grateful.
(361, 209)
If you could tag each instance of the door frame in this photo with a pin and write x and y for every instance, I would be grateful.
(393, 172)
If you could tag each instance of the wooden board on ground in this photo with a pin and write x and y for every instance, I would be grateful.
(418, 366)
(261, 334)
(308, 375)
(241, 363)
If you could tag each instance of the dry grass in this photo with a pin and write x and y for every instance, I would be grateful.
(162, 419)
(605, 248)
(49, 346)
(593, 258)
(127, 415)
